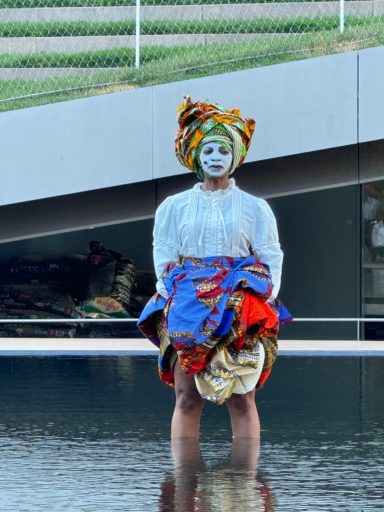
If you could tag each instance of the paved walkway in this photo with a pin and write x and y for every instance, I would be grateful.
(134, 347)
(75, 44)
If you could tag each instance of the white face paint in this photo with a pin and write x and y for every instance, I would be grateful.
(215, 160)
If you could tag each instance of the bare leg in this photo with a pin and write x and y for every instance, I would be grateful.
(188, 407)
(244, 417)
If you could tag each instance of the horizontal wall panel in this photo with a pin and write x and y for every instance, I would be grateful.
(78, 211)
(276, 177)
(286, 175)
(371, 160)
(299, 107)
(371, 94)
(106, 141)
(300, 173)
(75, 146)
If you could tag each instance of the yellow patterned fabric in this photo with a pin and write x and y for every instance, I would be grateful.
(231, 371)
(199, 120)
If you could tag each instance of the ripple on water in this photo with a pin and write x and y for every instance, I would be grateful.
(72, 449)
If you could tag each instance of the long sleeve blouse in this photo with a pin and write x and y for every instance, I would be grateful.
(225, 222)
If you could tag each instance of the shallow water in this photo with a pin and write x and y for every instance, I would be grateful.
(92, 434)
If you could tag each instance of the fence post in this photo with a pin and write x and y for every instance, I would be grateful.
(137, 40)
(341, 16)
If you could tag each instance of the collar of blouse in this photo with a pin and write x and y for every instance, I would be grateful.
(213, 194)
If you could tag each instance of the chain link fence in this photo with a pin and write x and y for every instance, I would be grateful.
(51, 50)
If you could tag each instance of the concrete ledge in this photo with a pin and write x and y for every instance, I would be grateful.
(194, 12)
(73, 346)
(142, 347)
(41, 73)
(99, 14)
(75, 44)
(330, 348)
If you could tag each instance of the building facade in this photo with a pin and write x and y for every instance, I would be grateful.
(97, 169)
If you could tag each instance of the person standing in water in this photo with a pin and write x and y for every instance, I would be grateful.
(218, 261)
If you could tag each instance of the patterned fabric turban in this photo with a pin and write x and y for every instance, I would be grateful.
(203, 122)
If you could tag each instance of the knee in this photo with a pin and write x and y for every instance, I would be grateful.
(188, 401)
(242, 405)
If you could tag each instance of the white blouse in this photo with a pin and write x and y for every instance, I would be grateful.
(225, 222)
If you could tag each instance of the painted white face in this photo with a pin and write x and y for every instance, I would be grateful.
(215, 160)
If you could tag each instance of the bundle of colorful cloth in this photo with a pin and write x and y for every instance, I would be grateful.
(38, 287)
(75, 286)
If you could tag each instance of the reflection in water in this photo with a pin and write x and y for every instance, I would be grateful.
(230, 484)
(179, 490)
(92, 434)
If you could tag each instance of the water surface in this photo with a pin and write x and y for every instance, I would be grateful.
(92, 434)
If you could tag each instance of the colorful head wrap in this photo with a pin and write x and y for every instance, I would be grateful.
(203, 122)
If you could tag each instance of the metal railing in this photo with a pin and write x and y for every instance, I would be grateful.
(358, 321)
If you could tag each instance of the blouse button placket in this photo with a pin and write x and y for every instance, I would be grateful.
(218, 227)
(209, 224)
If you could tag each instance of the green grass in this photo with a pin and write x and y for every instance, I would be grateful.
(161, 65)
(119, 57)
(97, 59)
(128, 27)
(106, 3)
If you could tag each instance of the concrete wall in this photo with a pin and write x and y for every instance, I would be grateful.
(110, 159)
(299, 107)
(75, 146)
(127, 137)
(284, 176)
(371, 94)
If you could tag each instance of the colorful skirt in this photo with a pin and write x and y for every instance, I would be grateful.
(217, 322)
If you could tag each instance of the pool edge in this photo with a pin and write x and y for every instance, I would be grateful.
(142, 347)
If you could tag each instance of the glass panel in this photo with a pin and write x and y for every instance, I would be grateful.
(373, 257)
(100, 273)
(321, 263)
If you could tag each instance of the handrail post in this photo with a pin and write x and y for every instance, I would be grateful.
(137, 39)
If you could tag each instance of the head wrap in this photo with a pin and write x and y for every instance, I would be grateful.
(203, 122)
